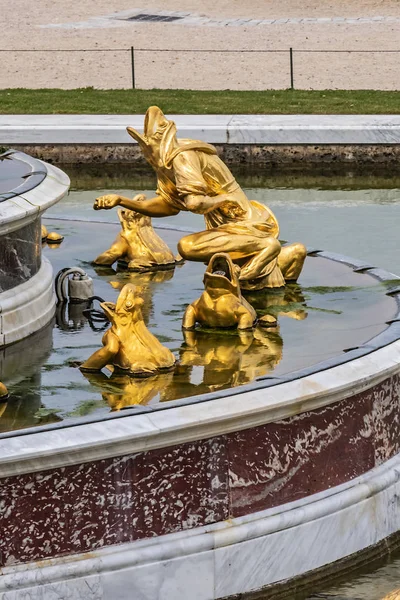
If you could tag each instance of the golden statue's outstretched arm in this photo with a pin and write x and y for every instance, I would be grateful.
(151, 207)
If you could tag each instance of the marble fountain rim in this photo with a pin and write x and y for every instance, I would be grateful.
(27, 205)
(221, 535)
(56, 448)
(28, 307)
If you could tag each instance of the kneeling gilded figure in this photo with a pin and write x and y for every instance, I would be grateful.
(191, 177)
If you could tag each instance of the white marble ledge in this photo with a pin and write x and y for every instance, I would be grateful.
(228, 557)
(28, 307)
(101, 129)
(177, 425)
(223, 129)
(23, 209)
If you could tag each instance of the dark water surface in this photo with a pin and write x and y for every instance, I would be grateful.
(331, 309)
(353, 214)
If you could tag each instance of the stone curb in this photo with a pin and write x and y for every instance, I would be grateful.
(219, 129)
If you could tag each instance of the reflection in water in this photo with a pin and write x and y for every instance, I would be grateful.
(322, 177)
(209, 360)
(74, 316)
(371, 582)
(24, 407)
(143, 282)
(121, 391)
(3, 406)
(286, 302)
(70, 316)
(20, 367)
(228, 359)
(23, 359)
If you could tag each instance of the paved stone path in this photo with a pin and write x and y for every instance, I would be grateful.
(193, 19)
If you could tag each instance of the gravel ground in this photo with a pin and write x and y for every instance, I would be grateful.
(208, 25)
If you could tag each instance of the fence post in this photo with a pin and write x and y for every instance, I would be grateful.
(133, 66)
(291, 69)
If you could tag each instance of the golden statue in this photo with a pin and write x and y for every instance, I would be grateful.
(3, 393)
(138, 245)
(191, 177)
(50, 238)
(128, 345)
(395, 595)
(221, 304)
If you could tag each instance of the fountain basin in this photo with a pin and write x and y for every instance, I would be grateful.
(229, 489)
(27, 188)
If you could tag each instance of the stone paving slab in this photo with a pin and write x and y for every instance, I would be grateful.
(187, 18)
(217, 129)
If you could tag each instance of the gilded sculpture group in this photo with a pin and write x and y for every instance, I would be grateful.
(239, 244)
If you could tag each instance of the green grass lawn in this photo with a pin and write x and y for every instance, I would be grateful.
(91, 101)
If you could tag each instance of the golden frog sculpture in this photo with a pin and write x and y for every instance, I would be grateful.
(138, 245)
(129, 346)
(222, 304)
(145, 284)
(3, 393)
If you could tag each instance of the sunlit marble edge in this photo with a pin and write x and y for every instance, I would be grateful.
(28, 307)
(225, 129)
(138, 433)
(25, 208)
(228, 546)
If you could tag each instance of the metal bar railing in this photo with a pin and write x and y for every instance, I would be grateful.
(133, 53)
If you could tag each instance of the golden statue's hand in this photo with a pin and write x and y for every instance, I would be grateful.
(107, 202)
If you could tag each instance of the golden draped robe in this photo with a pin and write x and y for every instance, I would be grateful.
(192, 168)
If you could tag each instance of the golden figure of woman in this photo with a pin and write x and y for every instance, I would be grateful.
(191, 177)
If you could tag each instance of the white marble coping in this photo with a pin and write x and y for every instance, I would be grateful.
(328, 512)
(158, 429)
(222, 129)
(28, 307)
(21, 210)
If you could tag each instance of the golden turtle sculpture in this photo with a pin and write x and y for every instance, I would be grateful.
(52, 237)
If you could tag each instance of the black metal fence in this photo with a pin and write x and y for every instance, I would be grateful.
(133, 55)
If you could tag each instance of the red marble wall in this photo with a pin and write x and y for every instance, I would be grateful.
(85, 507)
